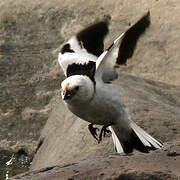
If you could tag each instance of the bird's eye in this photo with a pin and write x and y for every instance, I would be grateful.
(77, 88)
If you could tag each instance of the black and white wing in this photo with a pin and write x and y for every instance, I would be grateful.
(86, 46)
(121, 49)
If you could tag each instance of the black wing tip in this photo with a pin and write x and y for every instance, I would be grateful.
(97, 29)
(147, 16)
(92, 37)
(96, 26)
(87, 69)
(145, 20)
(131, 37)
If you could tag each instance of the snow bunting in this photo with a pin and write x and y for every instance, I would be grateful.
(86, 92)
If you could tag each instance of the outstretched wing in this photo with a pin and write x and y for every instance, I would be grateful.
(121, 49)
(92, 38)
(86, 46)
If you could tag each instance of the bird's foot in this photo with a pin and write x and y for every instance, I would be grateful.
(93, 131)
(103, 132)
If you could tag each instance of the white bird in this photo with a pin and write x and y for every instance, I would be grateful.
(87, 94)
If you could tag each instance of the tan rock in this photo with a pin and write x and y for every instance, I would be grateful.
(153, 105)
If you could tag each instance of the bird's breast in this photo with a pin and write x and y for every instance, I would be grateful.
(93, 112)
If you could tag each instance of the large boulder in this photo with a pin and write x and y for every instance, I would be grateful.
(153, 105)
(68, 151)
(154, 166)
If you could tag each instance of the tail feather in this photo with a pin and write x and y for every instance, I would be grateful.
(138, 139)
(117, 145)
(146, 139)
(136, 143)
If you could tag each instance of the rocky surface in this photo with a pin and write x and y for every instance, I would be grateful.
(30, 36)
(153, 105)
(159, 165)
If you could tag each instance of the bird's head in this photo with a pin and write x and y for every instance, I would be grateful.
(77, 88)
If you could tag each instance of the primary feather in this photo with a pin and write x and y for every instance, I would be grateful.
(122, 48)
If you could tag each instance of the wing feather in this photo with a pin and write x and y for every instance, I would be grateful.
(121, 49)
(86, 46)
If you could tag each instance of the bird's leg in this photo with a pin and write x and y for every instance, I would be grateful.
(93, 131)
(104, 130)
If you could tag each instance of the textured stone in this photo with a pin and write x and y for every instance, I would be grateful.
(30, 36)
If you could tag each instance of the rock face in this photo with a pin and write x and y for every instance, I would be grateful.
(153, 105)
(157, 165)
(31, 33)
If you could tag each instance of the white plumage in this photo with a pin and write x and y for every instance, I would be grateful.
(87, 95)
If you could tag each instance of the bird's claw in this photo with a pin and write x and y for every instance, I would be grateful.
(93, 131)
(103, 132)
